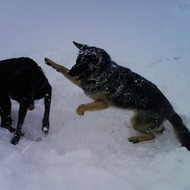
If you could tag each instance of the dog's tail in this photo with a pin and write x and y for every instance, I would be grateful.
(63, 70)
(180, 130)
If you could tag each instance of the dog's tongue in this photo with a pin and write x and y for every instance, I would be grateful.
(31, 107)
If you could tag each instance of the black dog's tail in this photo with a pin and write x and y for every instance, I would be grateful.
(180, 129)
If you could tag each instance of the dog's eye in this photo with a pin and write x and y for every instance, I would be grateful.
(93, 57)
(92, 67)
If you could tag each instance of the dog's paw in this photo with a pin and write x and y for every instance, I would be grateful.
(45, 128)
(15, 139)
(47, 61)
(134, 139)
(81, 109)
(145, 137)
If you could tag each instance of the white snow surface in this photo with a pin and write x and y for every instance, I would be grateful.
(91, 152)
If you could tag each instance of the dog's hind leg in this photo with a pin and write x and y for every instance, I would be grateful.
(147, 123)
(18, 133)
(5, 112)
(139, 124)
(45, 120)
(63, 70)
(93, 106)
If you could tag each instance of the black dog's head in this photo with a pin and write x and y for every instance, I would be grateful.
(89, 61)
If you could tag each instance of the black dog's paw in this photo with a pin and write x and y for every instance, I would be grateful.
(15, 139)
(45, 128)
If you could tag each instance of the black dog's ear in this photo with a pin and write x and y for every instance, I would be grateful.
(80, 46)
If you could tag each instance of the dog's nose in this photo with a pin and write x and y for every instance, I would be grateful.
(71, 73)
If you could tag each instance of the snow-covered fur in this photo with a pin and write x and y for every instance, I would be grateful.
(110, 84)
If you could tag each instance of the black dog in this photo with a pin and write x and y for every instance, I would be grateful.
(24, 81)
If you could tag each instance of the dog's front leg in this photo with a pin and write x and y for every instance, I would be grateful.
(18, 133)
(62, 69)
(45, 120)
(93, 106)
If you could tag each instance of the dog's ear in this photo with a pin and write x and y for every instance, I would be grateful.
(80, 46)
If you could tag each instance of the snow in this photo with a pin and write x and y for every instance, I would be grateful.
(92, 151)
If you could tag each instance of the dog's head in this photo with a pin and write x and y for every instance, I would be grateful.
(90, 60)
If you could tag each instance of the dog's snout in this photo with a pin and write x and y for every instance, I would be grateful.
(72, 72)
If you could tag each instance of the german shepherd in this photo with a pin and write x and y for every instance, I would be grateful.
(110, 84)
(21, 79)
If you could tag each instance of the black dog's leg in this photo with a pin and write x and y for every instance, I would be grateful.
(5, 112)
(45, 120)
(18, 133)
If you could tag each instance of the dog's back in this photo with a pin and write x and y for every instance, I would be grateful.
(123, 88)
(10, 70)
(9, 67)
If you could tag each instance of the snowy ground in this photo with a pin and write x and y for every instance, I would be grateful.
(92, 152)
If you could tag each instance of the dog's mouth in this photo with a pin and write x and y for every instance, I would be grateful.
(31, 107)
(78, 77)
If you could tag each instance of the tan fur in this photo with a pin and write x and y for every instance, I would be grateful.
(62, 70)
(142, 138)
(93, 106)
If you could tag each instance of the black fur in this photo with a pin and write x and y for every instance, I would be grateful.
(21, 79)
(103, 79)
